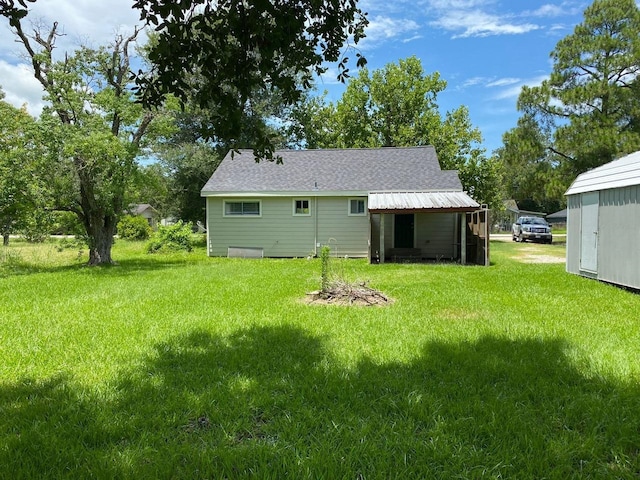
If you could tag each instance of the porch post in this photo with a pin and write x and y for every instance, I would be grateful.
(463, 238)
(382, 215)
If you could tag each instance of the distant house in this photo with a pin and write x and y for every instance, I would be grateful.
(503, 220)
(147, 212)
(603, 222)
(385, 204)
(515, 211)
(558, 218)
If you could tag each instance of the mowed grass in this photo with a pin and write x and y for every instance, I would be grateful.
(183, 366)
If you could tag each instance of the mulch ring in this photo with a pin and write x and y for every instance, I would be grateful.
(342, 293)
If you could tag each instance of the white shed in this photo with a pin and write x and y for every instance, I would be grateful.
(603, 223)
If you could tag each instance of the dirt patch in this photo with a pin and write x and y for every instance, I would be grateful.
(534, 254)
(346, 294)
(540, 259)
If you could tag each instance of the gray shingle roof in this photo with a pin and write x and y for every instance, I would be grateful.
(339, 170)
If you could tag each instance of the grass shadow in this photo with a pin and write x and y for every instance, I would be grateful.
(274, 403)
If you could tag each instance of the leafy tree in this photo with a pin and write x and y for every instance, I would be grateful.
(94, 131)
(236, 50)
(151, 185)
(397, 106)
(20, 189)
(531, 174)
(188, 167)
(590, 105)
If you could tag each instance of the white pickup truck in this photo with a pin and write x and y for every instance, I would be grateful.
(535, 229)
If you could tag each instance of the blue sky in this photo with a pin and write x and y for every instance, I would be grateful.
(486, 50)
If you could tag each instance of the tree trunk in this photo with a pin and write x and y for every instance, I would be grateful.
(100, 231)
(5, 239)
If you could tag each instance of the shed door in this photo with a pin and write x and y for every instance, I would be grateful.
(589, 232)
(403, 230)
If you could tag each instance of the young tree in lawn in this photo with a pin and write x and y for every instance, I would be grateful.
(591, 102)
(397, 106)
(95, 130)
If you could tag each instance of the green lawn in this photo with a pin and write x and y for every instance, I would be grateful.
(182, 366)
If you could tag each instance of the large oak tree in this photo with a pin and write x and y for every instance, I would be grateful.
(94, 130)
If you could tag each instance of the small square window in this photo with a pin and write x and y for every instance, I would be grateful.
(301, 207)
(356, 206)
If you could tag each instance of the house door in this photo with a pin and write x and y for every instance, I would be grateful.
(403, 231)
(589, 232)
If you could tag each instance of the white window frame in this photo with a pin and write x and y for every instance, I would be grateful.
(241, 215)
(364, 207)
(295, 213)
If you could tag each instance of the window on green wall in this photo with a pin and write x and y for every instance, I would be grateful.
(356, 206)
(301, 206)
(242, 208)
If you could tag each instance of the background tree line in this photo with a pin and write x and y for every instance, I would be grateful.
(586, 114)
(112, 137)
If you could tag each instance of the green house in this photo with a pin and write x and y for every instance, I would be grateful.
(385, 204)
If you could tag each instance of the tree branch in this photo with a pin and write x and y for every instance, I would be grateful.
(142, 128)
(557, 152)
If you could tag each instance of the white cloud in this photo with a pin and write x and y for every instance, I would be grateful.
(547, 10)
(473, 81)
(476, 23)
(330, 77)
(411, 39)
(513, 90)
(383, 28)
(81, 22)
(20, 87)
(502, 82)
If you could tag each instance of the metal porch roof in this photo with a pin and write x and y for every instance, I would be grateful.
(421, 201)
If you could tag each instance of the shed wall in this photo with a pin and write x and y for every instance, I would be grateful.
(618, 236)
(573, 234)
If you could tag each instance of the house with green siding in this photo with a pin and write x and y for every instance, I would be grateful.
(386, 204)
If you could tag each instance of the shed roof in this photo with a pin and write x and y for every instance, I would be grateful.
(420, 201)
(623, 172)
(334, 170)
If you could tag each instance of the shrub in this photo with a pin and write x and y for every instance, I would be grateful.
(36, 227)
(66, 223)
(171, 238)
(134, 228)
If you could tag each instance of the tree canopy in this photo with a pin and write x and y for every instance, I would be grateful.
(221, 54)
(397, 106)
